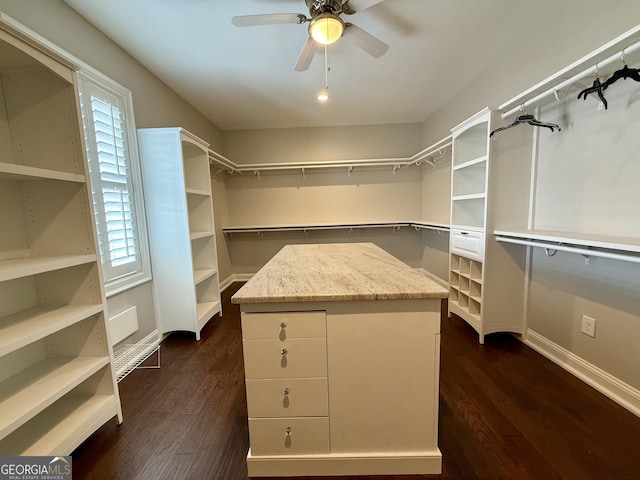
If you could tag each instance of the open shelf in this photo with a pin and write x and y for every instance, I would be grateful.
(610, 242)
(53, 337)
(195, 191)
(22, 267)
(198, 235)
(201, 275)
(32, 390)
(11, 171)
(34, 324)
(207, 310)
(56, 429)
(613, 248)
(471, 163)
(417, 224)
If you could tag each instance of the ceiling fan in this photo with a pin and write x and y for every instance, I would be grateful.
(325, 27)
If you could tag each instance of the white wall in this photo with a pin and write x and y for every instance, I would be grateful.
(289, 145)
(571, 30)
(587, 182)
(322, 196)
(155, 105)
(436, 208)
(367, 195)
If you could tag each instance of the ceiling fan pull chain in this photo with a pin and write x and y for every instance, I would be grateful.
(326, 68)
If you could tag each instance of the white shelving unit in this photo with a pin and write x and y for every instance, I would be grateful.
(177, 182)
(489, 185)
(57, 384)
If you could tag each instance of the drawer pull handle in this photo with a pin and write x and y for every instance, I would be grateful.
(283, 325)
(283, 352)
(285, 392)
(288, 432)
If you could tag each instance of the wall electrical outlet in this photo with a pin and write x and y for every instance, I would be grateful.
(588, 326)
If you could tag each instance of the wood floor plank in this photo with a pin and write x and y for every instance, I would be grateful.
(505, 413)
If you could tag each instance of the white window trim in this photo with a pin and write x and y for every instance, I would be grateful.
(124, 283)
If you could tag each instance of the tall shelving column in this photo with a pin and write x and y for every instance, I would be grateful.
(469, 165)
(57, 384)
(488, 177)
(179, 202)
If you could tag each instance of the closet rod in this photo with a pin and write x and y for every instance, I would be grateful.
(565, 248)
(423, 155)
(585, 73)
(397, 163)
(222, 160)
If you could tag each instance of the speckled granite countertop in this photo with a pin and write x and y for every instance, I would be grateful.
(336, 272)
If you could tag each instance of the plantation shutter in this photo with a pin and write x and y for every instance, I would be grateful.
(111, 180)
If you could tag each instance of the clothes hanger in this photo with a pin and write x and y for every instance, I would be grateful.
(529, 119)
(598, 88)
(624, 73)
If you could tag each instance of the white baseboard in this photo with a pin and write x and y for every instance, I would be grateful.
(605, 383)
(236, 277)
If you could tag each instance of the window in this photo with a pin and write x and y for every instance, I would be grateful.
(107, 118)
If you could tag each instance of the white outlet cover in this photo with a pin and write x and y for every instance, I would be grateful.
(588, 326)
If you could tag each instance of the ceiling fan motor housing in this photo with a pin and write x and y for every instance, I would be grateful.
(317, 7)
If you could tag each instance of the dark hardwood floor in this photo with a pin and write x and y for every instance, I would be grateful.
(505, 413)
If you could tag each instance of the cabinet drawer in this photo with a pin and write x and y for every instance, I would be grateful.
(468, 243)
(295, 358)
(284, 325)
(296, 397)
(288, 436)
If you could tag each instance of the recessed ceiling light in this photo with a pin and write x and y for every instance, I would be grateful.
(323, 96)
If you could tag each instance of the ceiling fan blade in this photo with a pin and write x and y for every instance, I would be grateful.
(267, 19)
(353, 6)
(306, 55)
(364, 40)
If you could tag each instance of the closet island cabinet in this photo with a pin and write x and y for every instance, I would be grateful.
(177, 183)
(341, 347)
(489, 189)
(57, 384)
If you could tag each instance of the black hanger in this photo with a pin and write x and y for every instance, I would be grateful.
(531, 120)
(598, 88)
(624, 72)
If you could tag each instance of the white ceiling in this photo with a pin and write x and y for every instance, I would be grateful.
(244, 78)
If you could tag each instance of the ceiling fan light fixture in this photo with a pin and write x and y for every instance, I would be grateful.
(326, 28)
